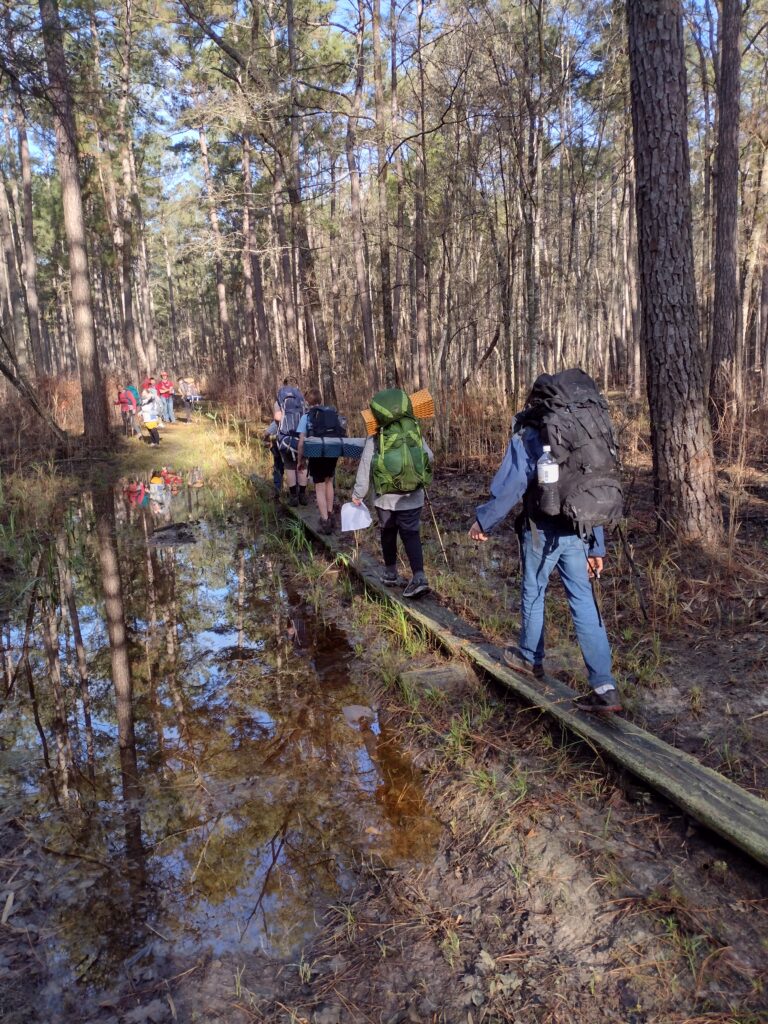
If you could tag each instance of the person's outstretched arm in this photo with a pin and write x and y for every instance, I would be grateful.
(507, 488)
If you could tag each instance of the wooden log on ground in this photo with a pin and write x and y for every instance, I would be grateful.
(721, 805)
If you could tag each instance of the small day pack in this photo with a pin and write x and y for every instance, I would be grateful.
(574, 420)
(324, 421)
(400, 464)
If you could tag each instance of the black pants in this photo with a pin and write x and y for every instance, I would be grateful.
(407, 523)
(154, 435)
(277, 467)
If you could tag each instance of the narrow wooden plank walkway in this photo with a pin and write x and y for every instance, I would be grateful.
(721, 805)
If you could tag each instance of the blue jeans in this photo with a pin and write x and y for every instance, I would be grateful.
(542, 551)
(168, 415)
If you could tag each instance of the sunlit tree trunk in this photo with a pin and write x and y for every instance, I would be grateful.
(15, 294)
(144, 289)
(171, 294)
(95, 416)
(30, 255)
(221, 288)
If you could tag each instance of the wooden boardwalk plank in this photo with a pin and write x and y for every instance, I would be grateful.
(721, 805)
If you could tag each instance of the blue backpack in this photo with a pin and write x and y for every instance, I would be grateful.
(291, 402)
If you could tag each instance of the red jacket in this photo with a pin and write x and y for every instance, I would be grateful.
(164, 387)
(127, 401)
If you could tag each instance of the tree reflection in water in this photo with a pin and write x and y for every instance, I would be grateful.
(224, 800)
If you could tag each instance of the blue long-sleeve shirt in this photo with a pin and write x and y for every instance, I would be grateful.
(508, 487)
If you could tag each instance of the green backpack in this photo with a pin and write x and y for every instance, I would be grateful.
(400, 464)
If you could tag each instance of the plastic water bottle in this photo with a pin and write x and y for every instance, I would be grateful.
(548, 475)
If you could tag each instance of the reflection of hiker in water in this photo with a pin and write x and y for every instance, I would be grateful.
(159, 494)
(395, 794)
(136, 494)
(296, 631)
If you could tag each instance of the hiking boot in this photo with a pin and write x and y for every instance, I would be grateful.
(303, 499)
(599, 703)
(326, 526)
(390, 578)
(417, 586)
(515, 660)
(294, 500)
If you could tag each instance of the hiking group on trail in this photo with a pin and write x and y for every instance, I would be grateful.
(153, 406)
(560, 465)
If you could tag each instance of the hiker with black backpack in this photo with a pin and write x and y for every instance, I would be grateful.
(562, 463)
(321, 421)
(400, 462)
(289, 408)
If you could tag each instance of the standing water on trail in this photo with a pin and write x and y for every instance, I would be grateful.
(199, 777)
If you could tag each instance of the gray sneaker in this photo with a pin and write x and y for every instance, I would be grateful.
(391, 578)
(417, 586)
(515, 660)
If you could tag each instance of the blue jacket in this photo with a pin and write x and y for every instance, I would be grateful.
(517, 470)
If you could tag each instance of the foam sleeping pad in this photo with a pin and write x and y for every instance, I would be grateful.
(331, 447)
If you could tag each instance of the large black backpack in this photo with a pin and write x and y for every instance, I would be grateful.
(574, 420)
(324, 421)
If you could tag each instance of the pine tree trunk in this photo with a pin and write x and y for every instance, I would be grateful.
(95, 417)
(725, 385)
(420, 249)
(685, 483)
(30, 256)
(15, 296)
(221, 289)
(358, 241)
(382, 135)
(291, 333)
(250, 304)
(171, 294)
(144, 290)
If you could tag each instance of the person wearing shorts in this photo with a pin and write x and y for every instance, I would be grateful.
(321, 469)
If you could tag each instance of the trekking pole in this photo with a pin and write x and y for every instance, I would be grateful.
(437, 528)
(634, 571)
(594, 580)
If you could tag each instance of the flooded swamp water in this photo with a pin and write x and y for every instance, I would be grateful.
(189, 765)
(217, 804)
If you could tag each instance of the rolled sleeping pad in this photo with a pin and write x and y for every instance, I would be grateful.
(330, 447)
